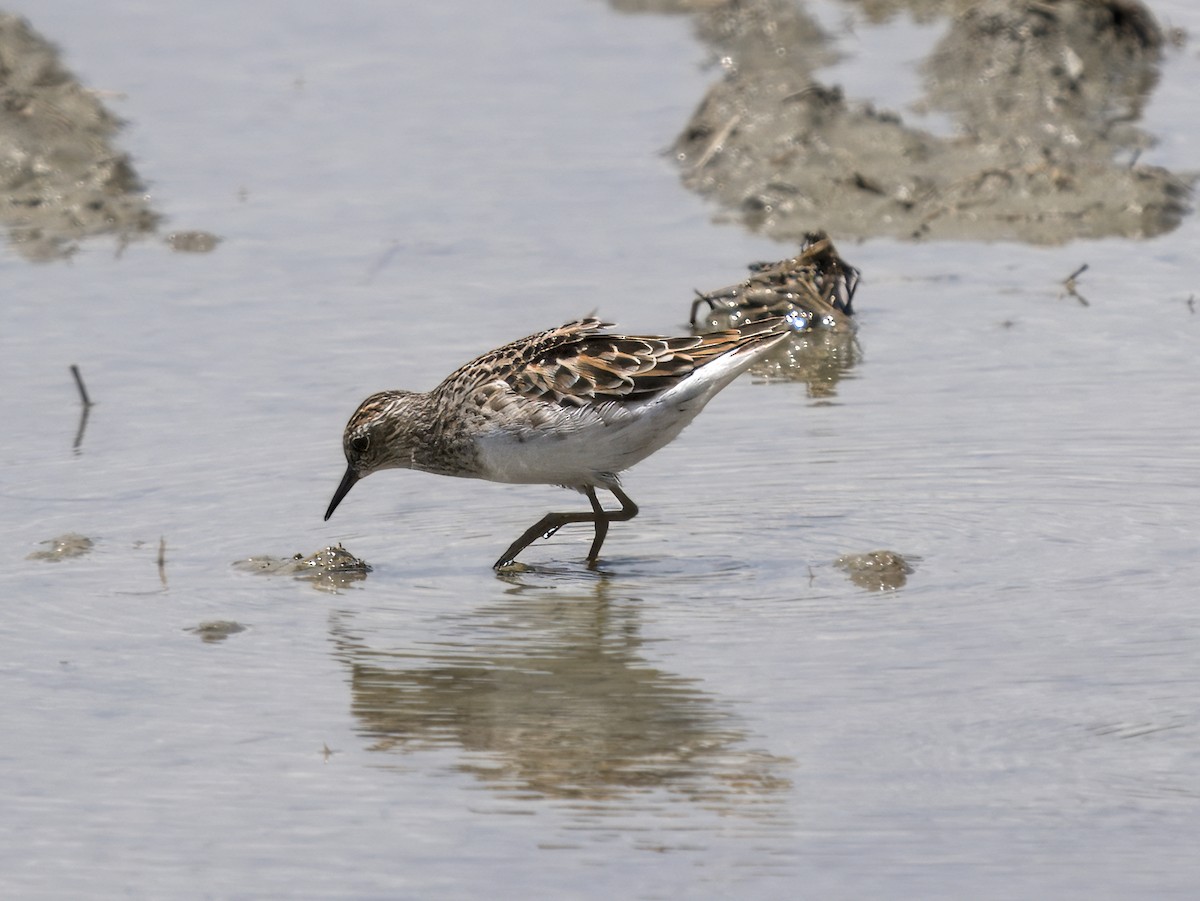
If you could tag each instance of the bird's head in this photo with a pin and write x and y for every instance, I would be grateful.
(376, 437)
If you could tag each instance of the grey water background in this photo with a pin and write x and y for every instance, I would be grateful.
(719, 711)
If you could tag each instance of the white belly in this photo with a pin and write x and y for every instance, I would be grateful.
(590, 450)
(590, 445)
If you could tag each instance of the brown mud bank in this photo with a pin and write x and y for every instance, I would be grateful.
(62, 179)
(1045, 97)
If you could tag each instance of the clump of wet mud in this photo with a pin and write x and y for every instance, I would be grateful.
(1045, 96)
(63, 547)
(329, 569)
(61, 179)
(192, 241)
(876, 570)
(815, 291)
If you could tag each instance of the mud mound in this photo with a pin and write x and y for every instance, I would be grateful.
(61, 180)
(1045, 96)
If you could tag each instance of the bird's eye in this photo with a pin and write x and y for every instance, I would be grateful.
(360, 443)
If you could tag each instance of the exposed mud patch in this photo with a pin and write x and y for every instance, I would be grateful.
(61, 179)
(63, 547)
(1045, 96)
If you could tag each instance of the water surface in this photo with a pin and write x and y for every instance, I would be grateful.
(718, 710)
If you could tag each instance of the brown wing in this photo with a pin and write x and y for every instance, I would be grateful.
(579, 363)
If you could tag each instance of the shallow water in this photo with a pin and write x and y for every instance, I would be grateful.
(720, 709)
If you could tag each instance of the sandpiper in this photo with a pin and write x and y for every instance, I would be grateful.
(571, 406)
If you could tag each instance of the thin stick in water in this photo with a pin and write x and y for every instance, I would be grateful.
(87, 401)
(1069, 284)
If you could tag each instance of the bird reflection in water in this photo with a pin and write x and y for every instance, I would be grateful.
(549, 696)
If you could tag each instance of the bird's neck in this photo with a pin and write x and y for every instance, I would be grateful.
(436, 446)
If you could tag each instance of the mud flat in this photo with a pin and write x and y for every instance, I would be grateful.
(61, 178)
(1045, 98)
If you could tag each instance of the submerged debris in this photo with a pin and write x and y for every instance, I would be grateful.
(62, 547)
(876, 570)
(216, 630)
(328, 569)
(815, 289)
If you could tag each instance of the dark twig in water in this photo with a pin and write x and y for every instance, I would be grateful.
(700, 298)
(87, 401)
(87, 406)
(162, 560)
(1070, 287)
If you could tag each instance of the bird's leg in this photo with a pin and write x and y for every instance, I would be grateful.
(601, 519)
(628, 511)
(552, 522)
(543, 528)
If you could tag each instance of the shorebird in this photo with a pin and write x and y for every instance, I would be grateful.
(571, 406)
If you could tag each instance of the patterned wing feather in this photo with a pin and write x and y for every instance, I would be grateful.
(590, 365)
(579, 363)
(505, 363)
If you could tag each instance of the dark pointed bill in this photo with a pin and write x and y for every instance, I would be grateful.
(343, 489)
